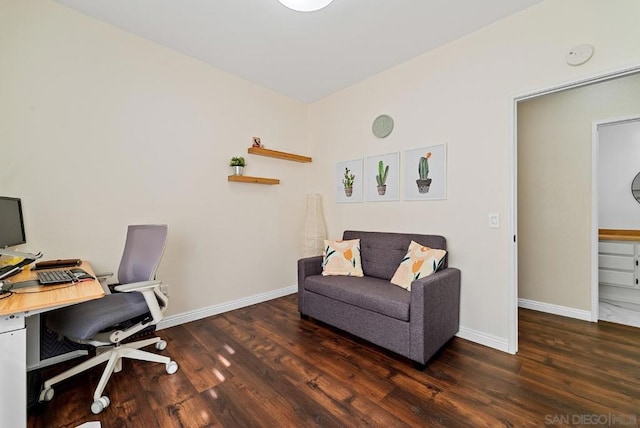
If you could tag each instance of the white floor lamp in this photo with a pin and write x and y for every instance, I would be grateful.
(315, 230)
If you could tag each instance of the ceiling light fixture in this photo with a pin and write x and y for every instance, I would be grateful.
(305, 5)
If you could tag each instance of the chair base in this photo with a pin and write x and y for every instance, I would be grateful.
(113, 355)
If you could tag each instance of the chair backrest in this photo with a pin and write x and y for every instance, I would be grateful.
(142, 253)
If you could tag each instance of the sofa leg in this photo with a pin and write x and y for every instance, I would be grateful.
(419, 366)
(304, 317)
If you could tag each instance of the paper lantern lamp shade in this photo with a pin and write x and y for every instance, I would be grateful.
(315, 230)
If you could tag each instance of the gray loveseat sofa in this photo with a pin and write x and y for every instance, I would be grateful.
(413, 323)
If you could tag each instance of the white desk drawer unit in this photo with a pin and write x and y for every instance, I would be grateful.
(618, 263)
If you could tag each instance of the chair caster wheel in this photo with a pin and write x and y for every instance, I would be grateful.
(161, 346)
(172, 367)
(46, 395)
(100, 404)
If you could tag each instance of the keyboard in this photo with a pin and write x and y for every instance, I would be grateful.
(50, 277)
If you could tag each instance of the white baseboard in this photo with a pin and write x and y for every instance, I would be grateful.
(555, 309)
(482, 338)
(197, 314)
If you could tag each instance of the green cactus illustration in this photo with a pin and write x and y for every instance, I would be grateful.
(423, 166)
(383, 173)
(347, 182)
(348, 178)
(423, 171)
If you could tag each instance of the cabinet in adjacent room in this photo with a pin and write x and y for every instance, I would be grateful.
(618, 263)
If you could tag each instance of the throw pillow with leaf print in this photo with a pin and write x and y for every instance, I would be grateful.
(342, 258)
(419, 262)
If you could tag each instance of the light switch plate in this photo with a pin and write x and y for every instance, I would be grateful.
(494, 220)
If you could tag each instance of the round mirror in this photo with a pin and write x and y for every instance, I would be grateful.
(635, 187)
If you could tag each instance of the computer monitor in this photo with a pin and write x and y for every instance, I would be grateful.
(11, 222)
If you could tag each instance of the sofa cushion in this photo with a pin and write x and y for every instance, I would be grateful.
(342, 258)
(420, 261)
(368, 293)
(382, 252)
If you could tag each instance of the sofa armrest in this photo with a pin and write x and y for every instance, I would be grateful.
(434, 312)
(307, 267)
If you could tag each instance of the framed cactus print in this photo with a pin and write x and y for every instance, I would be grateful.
(425, 173)
(382, 178)
(349, 181)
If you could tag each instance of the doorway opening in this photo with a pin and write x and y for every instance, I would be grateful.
(573, 246)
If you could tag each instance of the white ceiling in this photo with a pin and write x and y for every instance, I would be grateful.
(306, 56)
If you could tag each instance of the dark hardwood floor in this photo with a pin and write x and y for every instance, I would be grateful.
(262, 366)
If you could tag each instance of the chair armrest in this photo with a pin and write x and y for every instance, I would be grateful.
(156, 300)
(138, 286)
(102, 276)
(434, 312)
(102, 279)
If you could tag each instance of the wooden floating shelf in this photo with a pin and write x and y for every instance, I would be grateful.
(276, 154)
(256, 180)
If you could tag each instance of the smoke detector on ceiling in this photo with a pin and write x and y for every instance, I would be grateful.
(580, 54)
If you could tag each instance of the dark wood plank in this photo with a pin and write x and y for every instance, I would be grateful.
(264, 366)
(320, 383)
(266, 383)
(193, 358)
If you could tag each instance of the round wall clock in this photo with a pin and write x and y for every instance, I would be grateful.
(382, 126)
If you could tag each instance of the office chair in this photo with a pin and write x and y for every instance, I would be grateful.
(105, 323)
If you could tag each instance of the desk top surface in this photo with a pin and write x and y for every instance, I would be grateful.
(39, 298)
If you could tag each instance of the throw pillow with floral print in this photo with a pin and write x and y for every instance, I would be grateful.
(419, 262)
(342, 258)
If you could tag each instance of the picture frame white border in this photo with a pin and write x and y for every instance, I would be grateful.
(437, 172)
(356, 168)
(392, 192)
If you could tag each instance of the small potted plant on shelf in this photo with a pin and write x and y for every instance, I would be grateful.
(381, 178)
(238, 165)
(347, 182)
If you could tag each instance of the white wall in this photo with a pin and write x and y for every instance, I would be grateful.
(100, 129)
(618, 164)
(462, 94)
(146, 134)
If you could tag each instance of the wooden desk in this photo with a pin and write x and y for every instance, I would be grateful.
(45, 298)
(14, 309)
